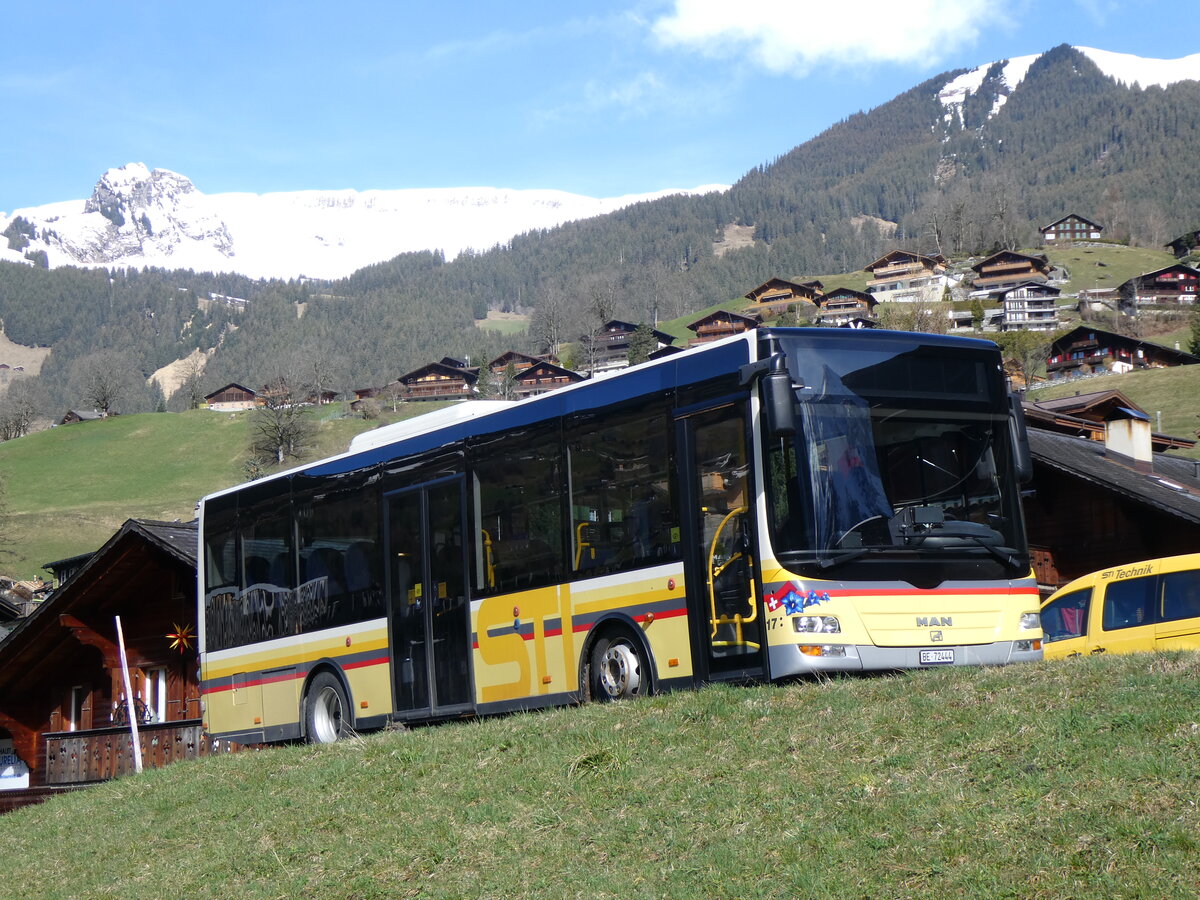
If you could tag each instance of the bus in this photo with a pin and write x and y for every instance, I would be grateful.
(778, 503)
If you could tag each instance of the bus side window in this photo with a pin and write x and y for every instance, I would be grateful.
(1181, 595)
(519, 537)
(1067, 616)
(1129, 603)
(622, 504)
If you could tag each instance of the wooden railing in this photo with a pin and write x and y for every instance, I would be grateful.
(74, 757)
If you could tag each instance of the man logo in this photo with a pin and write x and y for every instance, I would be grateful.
(935, 622)
(936, 636)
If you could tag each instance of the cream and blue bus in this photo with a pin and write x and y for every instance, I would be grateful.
(771, 505)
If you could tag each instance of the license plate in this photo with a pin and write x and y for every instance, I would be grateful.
(936, 657)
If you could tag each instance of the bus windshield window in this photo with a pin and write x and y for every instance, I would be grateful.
(892, 461)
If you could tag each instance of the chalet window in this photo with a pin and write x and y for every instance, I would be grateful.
(76, 703)
(156, 694)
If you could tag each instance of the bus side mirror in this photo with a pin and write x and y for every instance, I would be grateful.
(1022, 460)
(779, 399)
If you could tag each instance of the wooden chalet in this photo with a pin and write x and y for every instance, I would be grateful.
(844, 304)
(607, 349)
(1030, 306)
(445, 380)
(1185, 244)
(1100, 504)
(1175, 285)
(720, 324)
(1088, 351)
(543, 376)
(72, 416)
(1071, 228)
(231, 398)
(1009, 269)
(62, 689)
(518, 360)
(906, 277)
(775, 296)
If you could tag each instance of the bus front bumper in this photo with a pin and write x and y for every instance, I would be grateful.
(800, 659)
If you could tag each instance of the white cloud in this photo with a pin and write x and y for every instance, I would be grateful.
(795, 36)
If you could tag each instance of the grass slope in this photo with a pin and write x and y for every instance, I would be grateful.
(68, 489)
(1060, 779)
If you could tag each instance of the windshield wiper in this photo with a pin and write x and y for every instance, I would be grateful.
(825, 563)
(1006, 555)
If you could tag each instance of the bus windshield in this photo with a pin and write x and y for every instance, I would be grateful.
(902, 454)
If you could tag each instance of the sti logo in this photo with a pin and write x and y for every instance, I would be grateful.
(935, 622)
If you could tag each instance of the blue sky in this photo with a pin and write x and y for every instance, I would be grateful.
(599, 98)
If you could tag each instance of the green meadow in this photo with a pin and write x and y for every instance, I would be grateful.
(1073, 778)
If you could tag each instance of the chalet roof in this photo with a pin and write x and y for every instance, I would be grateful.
(1172, 487)
(774, 284)
(1094, 405)
(1094, 225)
(617, 325)
(1025, 285)
(84, 415)
(454, 362)
(178, 540)
(724, 315)
(469, 375)
(543, 368)
(1040, 260)
(935, 259)
(849, 294)
(230, 386)
(1174, 267)
(513, 356)
(1158, 351)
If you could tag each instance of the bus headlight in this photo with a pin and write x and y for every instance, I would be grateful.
(816, 625)
(1024, 646)
(1030, 621)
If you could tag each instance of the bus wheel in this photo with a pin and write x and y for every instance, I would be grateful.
(618, 669)
(325, 710)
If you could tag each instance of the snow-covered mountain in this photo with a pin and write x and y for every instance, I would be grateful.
(1125, 68)
(141, 217)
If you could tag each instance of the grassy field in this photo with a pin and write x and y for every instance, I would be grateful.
(68, 489)
(1075, 778)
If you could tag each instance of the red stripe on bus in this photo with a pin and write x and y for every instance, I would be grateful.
(259, 682)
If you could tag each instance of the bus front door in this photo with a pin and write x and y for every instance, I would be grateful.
(427, 601)
(718, 532)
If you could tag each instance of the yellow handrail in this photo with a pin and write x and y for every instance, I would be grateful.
(488, 559)
(737, 620)
(580, 543)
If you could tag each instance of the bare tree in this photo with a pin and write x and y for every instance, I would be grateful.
(18, 410)
(281, 428)
(102, 379)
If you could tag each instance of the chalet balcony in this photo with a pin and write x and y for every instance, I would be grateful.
(75, 757)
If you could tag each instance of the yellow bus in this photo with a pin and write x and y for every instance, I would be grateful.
(778, 503)
(1138, 607)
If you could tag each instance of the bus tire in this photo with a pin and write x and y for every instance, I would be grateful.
(619, 669)
(326, 710)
